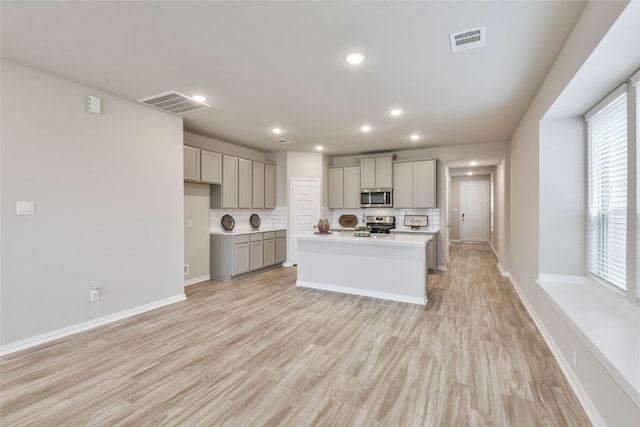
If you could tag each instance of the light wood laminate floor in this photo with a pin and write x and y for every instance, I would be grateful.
(262, 352)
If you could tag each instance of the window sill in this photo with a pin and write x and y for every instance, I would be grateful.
(607, 323)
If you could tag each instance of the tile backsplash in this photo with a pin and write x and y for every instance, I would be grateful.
(278, 217)
(334, 215)
(269, 218)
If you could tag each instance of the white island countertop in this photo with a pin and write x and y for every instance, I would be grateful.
(387, 266)
(348, 237)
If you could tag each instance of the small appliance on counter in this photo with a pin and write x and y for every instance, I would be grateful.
(416, 221)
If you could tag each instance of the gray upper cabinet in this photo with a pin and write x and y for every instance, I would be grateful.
(269, 186)
(245, 184)
(191, 163)
(245, 193)
(376, 172)
(211, 167)
(403, 190)
(384, 172)
(202, 165)
(415, 184)
(368, 173)
(352, 187)
(258, 185)
(344, 187)
(424, 184)
(336, 188)
(230, 182)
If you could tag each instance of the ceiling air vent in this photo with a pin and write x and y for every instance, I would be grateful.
(468, 39)
(173, 102)
(282, 141)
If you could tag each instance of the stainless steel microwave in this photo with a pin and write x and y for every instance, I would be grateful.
(376, 198)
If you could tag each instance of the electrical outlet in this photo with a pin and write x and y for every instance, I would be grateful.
(94, 294)
(574, 357)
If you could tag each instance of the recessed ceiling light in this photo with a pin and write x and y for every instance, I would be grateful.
(473, 163)
(469, 173)
(355, 58)
(319, 148)
(199, 98)
(395, 112)
(415, 137)
(365, 128)
(276, 130)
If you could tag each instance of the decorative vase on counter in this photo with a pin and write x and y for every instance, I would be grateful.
(323, 226)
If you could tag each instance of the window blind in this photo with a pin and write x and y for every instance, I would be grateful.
(607, 129)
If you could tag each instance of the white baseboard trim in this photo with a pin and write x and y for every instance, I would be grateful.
(197, 280)
(287, 264)
(362, 292)
(454, 241)
(494, 250)
(502, 272)
(73, 329)
(587, 404)
(442, 268)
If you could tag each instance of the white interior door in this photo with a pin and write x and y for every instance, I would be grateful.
(305, 211)
(474, 211)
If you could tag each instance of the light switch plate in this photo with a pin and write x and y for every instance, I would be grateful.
(25, 208)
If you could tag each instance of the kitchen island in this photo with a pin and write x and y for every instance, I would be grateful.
(387, 266)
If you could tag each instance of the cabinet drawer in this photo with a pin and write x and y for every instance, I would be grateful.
(269, 235)
(256, 237)
(281, 233)
(241, 239)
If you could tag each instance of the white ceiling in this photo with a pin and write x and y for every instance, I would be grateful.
(266, 64)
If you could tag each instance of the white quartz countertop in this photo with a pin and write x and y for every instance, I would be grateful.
(375, 239)
(423, 230)
(238, 231)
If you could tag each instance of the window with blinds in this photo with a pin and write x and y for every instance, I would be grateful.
(607, 130)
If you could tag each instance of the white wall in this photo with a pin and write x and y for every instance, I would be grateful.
(501, 209)
(196, 236)
(108, 196)
(537, 182)
(563, 207)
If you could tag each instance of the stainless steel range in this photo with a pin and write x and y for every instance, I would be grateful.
(381, 224)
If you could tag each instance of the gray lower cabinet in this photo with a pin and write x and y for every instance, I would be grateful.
(431, 255)
(432, 247)
(257, 252)
(241, 254)
(269, 245)
(281, 246)
(234, 256)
